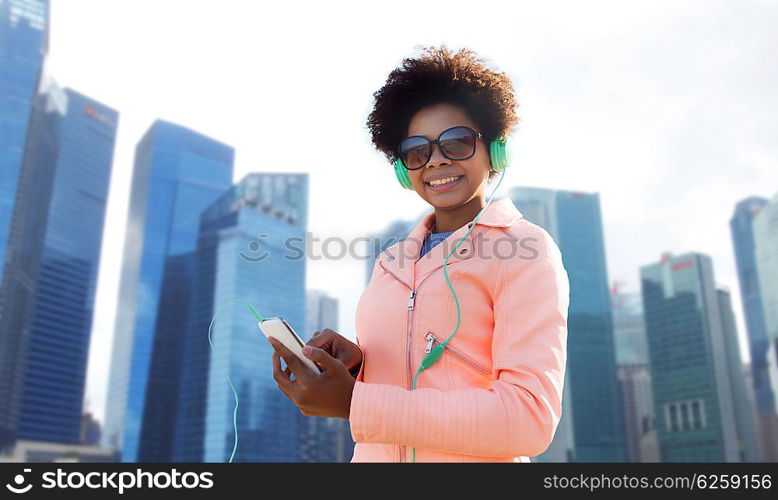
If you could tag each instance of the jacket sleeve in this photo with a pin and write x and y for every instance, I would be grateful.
(518, 413)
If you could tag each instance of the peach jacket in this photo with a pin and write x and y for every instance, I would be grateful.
(496, 393)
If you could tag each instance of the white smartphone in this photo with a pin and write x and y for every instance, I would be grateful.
(280, 330)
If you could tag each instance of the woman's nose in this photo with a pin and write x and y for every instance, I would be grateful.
(437, 159)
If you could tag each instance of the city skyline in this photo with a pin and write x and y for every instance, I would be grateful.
(656, 203)
(663, 109)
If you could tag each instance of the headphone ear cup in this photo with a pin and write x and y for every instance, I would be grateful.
(499, 155)
(402, 174)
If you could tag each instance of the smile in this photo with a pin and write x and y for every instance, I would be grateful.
(444, 184)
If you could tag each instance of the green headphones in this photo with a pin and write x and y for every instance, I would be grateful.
(498, 154)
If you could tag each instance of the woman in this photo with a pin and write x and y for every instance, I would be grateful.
(495, 392)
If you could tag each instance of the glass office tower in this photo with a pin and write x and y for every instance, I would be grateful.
(251, 247)
(765, 227)
(742, 229)
(766, 251)
(177, 174)
(323, 439)
(742, 393)
(592, 424)
(693, 401)
(23, 47)
(634, 375)
(741, 226)
(52, 261)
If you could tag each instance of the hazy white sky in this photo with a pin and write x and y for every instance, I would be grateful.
(667, 109)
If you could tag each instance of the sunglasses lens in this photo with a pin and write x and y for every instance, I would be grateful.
(414, 152)
(458, 143)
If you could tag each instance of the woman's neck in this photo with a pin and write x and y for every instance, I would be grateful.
(447, 220)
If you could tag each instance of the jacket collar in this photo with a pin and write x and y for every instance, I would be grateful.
(402, 259)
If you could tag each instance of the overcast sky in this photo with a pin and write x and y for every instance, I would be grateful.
(667, 109)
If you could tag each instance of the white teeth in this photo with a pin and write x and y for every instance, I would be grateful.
(443, 181)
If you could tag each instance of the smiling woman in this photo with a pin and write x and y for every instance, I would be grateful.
(493, 393)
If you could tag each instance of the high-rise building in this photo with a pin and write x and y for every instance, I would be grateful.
(592, 426)
(634, 375)
(321, 311)
(766, 249)
(629, 328)
(691, 376)
(178, 173)
(323, 439)
(742, 228)
(251, 247)
(52, 258)
(24, 27)
(765, 227)
(742, 394)
(23, 47)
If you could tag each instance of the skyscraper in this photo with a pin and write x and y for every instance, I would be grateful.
(51, 264)
(765, 227)
(742, 228)
(24, 31)
(766, 248)
(321, 311)
(177, 174)
(629, 328)
(634, 375)
(742, 394)
(323, 439)
(592, 426)
(693, 403)
(251, 247)
(23, 46)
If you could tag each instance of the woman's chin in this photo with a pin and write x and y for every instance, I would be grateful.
(447, 202)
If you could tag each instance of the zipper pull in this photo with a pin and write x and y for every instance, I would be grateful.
(411, 300)
(431, 338)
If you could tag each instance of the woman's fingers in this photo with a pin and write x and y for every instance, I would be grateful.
(282, 377)
(292, 362)
(323, 358)
(321, 341)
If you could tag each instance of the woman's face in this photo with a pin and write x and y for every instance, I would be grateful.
(472, 174)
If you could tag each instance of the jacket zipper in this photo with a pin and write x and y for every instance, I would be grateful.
(411, 303)
(432, 340)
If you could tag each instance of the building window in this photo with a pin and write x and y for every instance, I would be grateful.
(696, 415)
(702, 412)
(684, 408)
(673, 417)
(685, 415)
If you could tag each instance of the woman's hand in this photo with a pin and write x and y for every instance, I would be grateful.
(339, 347)
(326, 394)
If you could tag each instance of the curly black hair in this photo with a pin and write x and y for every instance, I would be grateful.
(440, 76)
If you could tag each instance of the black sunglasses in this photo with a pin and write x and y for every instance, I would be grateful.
(456, 143)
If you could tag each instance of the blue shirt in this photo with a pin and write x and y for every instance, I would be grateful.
(433, 239)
